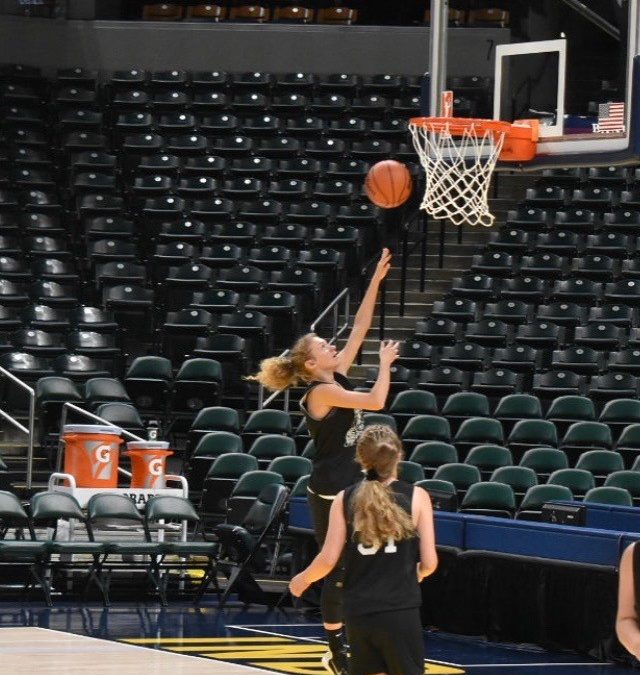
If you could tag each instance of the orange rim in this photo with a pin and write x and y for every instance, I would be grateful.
(457, 126)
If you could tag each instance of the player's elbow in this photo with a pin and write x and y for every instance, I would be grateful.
(374, 405)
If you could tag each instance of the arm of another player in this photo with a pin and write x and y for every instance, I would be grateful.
(421, 507)
(627, 628)
(326, 560)
(364, 315)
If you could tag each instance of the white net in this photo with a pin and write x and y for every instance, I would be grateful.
(458, 171)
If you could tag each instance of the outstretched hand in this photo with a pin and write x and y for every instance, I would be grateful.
(382, 268)
(388, 352)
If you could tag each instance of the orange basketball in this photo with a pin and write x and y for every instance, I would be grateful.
(388, 184)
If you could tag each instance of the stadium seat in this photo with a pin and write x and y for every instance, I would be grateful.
(579, 481)
(266, 447)
(600, 463)
(488, 457)
(629, 480)
(530, 433)
(461, 475)
(544, 461)
(148, 381)
(537, 496)
(608, 495)
(410, 472)
(490, 499)
(477, 431)
(520, 478)
(422, 428)
(432, 454)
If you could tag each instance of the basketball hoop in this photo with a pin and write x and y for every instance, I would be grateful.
(459, 156)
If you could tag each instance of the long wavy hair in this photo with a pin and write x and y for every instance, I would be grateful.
(377, 517)
(279, 372)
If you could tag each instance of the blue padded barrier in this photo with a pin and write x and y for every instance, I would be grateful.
(449, 529)
(543, 540)
(609, 516)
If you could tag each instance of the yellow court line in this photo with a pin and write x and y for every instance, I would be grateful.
(203, 640)
(257, 650)
(273, 653)
(293, 667)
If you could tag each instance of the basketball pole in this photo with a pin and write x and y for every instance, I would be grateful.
(438, 55)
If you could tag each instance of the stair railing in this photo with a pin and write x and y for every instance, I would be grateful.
(28, 430)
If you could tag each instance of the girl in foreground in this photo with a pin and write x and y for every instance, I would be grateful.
(333, 412)
(384, 526)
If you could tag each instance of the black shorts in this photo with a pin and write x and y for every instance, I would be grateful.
(386, 642)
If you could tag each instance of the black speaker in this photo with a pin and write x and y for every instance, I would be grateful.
(564, 514)
(443, 501)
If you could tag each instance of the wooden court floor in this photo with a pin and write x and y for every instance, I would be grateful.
(51, 652)
(138, 638)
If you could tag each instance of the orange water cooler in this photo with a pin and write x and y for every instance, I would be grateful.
(91, 454)
(148, 463)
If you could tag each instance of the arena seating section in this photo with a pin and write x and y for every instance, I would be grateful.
(158, 231)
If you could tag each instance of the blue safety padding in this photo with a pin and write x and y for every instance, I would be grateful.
(544, 540)
(449, 529)
(609, 516)
(299, 513)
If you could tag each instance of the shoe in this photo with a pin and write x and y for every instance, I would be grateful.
(336, 665)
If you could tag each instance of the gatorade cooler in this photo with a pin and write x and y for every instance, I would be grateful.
(148, 459)
(91, 454)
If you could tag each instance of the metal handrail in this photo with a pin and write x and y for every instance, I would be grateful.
(29, 431)
(333, 305)
(337, 332)
(63, 421)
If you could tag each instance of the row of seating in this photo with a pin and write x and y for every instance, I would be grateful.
(276, 12)
(497, 499)
(149, 384)
(102, 555)
(297, 14)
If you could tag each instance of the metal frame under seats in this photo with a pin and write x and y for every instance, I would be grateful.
(165, 509)
(49, 509)
(125, 551)
(20, 552)
(242, 547)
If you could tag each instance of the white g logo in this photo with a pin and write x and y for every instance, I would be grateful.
(155, 467)
(103, 454)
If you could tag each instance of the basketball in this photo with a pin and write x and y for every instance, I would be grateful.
(388, 184)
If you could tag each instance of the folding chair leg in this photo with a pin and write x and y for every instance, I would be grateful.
(153, 572)
(235, 573)
(39, 575)
(95, 574)
(211, 574)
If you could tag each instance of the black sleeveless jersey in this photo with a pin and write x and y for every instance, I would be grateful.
(335, 436)
(385, 579)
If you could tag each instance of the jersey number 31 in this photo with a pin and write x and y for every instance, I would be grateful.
(372, 550)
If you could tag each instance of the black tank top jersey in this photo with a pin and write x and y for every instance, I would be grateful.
(335, 436)
(384, 580)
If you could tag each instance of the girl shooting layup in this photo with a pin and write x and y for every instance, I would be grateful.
(334, 417)
(382, 524)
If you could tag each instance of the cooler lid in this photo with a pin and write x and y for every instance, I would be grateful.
(91, 429)
(147, 445)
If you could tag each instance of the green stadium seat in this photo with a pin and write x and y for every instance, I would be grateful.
(537, 496)
(432, 454)
(609, 495)
(491, 499)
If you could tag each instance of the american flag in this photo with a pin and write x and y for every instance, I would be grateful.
(611, 117)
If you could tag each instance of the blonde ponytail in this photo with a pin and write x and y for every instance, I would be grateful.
(377, 517)
(279, 372)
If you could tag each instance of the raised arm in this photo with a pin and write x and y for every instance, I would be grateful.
(421, 506)
(326, 560)
(627, 628)
(364, 315)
